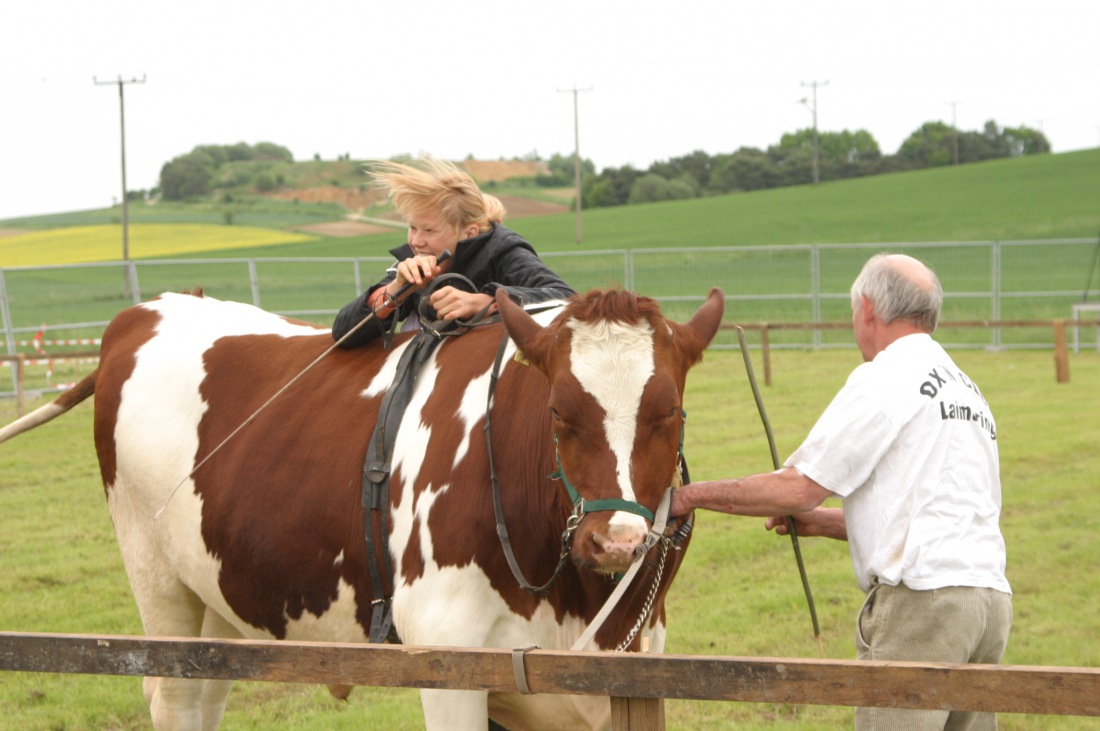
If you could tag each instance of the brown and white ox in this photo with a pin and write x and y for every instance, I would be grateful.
(264, 537)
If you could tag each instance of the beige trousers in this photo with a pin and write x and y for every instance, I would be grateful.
(957, 624)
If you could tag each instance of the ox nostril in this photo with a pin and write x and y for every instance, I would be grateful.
(621, 540)
(613, 549)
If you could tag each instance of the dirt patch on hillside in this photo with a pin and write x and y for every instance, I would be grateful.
(354, 199)
(11, 232)
(516, 207)
(358, 198)
(343, 229)
(361, 198)
(494, 171)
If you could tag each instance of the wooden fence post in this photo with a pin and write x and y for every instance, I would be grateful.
(20, 370)
(637, 714)
(1061, 352)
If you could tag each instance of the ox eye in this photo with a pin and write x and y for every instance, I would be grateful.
(556, 415)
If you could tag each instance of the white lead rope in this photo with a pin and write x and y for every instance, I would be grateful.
(655, 534)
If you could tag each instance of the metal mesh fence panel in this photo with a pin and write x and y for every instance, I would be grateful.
(983, 281)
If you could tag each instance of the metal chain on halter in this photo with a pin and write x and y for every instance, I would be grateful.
(678, 537)
(648, 606)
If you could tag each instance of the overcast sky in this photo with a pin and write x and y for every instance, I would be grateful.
(488, 78)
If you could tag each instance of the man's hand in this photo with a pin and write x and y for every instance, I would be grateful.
(825, 522)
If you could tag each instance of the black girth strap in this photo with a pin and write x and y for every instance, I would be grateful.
(376, 481)
(377, 464)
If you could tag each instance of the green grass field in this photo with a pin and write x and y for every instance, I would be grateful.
(268, 213)
(1044, 197)
(738, 594)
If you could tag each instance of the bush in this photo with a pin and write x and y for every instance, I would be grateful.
(271, 151)
(651, 188)
(187, 176)
(264, 182)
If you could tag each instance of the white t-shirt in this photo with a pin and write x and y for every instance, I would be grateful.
(910, 445)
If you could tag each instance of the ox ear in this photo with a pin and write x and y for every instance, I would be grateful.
(521, 327)
(695, 335)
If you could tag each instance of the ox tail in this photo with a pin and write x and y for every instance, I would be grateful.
(340, 692)
(52, 410)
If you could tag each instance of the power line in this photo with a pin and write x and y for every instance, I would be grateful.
(813, 109)
(954, 135)
(125, 202)
(576, 155)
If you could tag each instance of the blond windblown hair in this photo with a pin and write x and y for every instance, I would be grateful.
(432, 187)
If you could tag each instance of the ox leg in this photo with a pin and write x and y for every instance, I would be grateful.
(455, 710)
(215, 693)
(174, 704)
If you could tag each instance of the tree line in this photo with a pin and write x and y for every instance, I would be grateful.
(841, 155)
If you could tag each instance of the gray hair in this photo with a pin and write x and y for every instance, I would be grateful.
(900, 288)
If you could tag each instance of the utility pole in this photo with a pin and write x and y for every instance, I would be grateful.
(813, 110)
(576, 155)
(954, 135)
(125, 203)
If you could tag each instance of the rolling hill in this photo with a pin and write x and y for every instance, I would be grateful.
(1034, 197)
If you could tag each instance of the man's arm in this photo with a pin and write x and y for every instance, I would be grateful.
(769, 494)
(782, 492)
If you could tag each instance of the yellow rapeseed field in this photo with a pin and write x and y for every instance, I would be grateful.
(82, 244)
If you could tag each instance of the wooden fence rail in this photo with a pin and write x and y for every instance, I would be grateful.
(19, 363)
(636, 683)
(1061, 350)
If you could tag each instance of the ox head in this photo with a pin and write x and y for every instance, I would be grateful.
(617, 370)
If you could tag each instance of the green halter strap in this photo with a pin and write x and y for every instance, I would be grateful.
(594, 506)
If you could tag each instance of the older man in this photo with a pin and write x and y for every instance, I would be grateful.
(910, 446)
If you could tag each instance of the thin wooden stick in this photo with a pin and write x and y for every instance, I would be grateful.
(775, 463)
